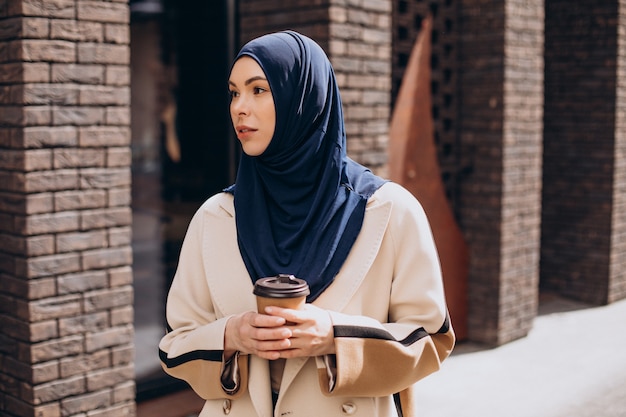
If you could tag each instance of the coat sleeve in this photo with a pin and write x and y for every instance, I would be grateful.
(192, 349)
(374, 358)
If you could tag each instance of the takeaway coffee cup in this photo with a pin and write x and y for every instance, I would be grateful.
(282, 290)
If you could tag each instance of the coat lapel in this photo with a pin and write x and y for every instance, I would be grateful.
(351, 275)
(224, 265)
(360, 259)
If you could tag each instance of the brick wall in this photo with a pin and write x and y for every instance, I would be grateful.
(65, 275)
(583, 182)
(356, 35)
(521, 167)
(500, 130)
(617, 273)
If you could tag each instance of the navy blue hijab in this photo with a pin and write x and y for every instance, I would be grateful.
(299, 206)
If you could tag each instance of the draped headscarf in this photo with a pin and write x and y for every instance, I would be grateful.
(299, 206)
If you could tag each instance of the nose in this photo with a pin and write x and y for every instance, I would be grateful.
(240, 105)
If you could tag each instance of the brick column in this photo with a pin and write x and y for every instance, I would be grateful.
(66, 312)
(501, 93)
(360, 50)
(357, 39)
(583, 251)
(617, 273)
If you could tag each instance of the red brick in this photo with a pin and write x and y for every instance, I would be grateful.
(45, 372)
(94, 53)
(117, 33)
(121, 276)
(122, 315)
(48, 50)
(105, 95)
(48, 410)
(106, 258)
(76, 73)
(119, 197)
(85, 323)
(57, 8)
(118, 116)
(104, 136)
(15, 245)
(58, 389)
(124, 392)
(40, 245)
(78, 241)
(119, 157)
(127, 409)
(57, 348)
(48, 223)
(35, 28)
(120, 236)
(105, 178)
(41, 288)
(79, 199)
(77, 116)
(47, 94)
(73, 30)
(36, 116)
(74, 158)
(55, 307)
(109, 377)
(56, 180)
(114, 336)
(84, 364)
(122, 355)
(110, 217)
(82, 403)
(43, 330)
(82, 282)
(108, 298)
(43, 266)
(103, 12)
(11, 28)
(117, 75)
(38, 137)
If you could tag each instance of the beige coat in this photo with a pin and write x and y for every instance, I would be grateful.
(387, 306)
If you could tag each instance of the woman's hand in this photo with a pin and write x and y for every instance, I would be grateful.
(257, 334)
(281, 333)
(311, 331)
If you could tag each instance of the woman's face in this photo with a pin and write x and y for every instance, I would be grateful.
(252, 106)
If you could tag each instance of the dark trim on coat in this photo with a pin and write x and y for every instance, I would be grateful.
(381, 334)
(206, 355)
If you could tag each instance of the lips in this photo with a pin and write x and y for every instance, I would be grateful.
(244, 131)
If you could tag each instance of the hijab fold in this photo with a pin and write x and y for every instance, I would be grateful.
(299, 206)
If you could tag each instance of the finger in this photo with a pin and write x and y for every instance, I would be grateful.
(271, 333)
(294, 316)
(264, 320)
(272, 350)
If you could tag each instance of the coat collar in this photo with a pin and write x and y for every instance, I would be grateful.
(223, 263)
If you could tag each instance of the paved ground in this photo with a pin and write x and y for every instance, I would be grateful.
(572, 364)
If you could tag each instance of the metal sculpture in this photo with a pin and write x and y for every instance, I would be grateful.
(413, 163)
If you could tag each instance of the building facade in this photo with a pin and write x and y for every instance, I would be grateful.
(114, 128)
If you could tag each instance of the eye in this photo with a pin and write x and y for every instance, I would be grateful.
(233, 93)
(260, 90)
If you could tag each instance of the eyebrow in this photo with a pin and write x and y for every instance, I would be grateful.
(249, 80)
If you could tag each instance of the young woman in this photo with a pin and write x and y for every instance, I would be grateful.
(375, 321)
